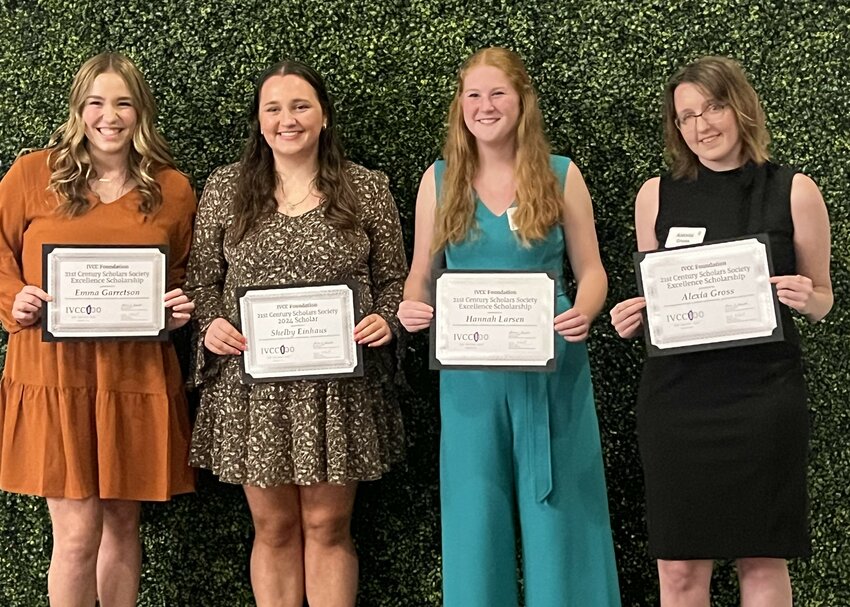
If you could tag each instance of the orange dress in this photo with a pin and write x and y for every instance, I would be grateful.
(79, 419)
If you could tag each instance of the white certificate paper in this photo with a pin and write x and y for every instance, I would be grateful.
(493, 320)
(708, 296)
(106, 292)
(299, 332)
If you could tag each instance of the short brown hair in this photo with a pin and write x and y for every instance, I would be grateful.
(723, 80)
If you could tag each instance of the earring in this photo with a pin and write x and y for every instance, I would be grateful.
(324, 125)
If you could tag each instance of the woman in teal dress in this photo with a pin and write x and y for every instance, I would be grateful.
(518, 449)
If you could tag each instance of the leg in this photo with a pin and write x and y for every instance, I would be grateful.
(685, 583)
(330, 561)
(120, 555)
(77, 528)
(477, 491)
(277, 557)
(764, 582)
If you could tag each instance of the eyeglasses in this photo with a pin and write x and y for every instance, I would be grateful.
(712, 113)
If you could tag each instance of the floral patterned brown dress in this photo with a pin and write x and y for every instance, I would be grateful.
(298, 432)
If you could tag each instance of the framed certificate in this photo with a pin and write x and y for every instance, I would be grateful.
(105, 292)
(708, 296)
(493, 320)
(299, 332)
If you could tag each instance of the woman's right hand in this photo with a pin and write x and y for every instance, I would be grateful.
(627, 318)
(26, 309)
(222, 338)
(415, 315)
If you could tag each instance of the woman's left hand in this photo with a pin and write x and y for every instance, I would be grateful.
(181, 308)
(794, 291)
(572, 325)
(373, 331)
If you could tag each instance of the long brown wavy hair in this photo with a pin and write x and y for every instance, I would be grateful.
(538, 197)
(258, 179)
(723, 80)
(69, 159)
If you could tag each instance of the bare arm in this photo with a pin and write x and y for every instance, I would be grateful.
(583, 254)
(626, 316)
(810, 291)
(414, 312)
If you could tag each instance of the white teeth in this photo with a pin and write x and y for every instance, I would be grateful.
(487, 120)
(108, 131)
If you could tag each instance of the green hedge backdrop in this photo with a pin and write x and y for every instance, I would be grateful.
(599, 66)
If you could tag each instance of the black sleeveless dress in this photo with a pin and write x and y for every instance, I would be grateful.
(724, 434)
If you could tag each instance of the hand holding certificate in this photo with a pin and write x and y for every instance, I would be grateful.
(708, 296)
(493, 320)
(299, 332)
(104, 292)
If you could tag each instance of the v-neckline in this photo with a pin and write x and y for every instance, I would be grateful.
(490, 211)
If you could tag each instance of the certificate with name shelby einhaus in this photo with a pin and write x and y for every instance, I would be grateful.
(708, 296)
(493, 320)
(104, 292)
(299, 332)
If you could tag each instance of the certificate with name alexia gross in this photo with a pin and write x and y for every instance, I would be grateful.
(299, 332)
(493, 320)
(105, 292)
(708, 296)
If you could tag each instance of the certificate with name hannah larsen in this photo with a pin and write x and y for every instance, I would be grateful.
(104, 292)
(708, 296)
(303, 331)
(493, 320)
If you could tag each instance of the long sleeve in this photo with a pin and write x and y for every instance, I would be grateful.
(207, 264)
(182, 197)
(387, 261)
(14, 190)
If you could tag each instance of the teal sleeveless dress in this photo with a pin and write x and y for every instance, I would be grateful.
(525, 443)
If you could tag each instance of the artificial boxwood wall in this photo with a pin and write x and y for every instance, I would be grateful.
(599, 66)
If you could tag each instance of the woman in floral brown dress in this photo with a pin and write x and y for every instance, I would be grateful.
(294, 210)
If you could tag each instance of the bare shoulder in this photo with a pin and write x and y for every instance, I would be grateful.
(647, 196)
(805, 194)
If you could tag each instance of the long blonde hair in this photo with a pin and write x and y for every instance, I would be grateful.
(723, 80)
(538, 196)
(69, 159)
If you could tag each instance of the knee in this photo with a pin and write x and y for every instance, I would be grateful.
(121, 520)
(277, 529)
(682, 576)
(77, 544)
(761, 570)
(327, 528)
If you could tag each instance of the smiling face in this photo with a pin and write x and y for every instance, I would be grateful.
(491, 105)
(714, 137)
(110, 116)
(290, 117)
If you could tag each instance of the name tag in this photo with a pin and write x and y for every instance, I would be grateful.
(510, 213)
(679, 237)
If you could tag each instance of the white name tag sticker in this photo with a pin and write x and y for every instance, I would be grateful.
(510, 213)
(679, 237)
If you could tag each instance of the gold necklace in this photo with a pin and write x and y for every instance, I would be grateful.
(291, 206)
(121, 188)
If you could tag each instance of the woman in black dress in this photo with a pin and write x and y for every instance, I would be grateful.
(723, 434)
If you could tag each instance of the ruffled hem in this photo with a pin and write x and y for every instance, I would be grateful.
(79, 442)
(303, 432)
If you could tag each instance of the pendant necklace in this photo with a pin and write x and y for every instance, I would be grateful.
(291, 206)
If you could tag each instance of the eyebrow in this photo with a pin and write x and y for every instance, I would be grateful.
(99, 98)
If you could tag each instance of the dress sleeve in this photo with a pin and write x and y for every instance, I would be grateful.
(207, 267)
(13, 223)
(387, 261)
(183, 198)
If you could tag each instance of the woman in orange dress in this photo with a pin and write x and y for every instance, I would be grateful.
(95, 427)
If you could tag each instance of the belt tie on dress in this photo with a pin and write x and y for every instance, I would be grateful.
(539, 436)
